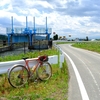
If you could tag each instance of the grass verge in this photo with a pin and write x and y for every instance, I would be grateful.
(92, 46)
(54, 89)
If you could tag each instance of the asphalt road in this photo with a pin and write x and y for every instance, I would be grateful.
(84, 70)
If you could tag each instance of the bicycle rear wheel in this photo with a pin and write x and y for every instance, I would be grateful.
(18, 76)
(44, 71)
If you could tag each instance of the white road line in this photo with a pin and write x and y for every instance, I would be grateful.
(94, 80)
(92, 76)
(79, 80)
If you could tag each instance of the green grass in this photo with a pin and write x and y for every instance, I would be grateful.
(67, 42)
(54, 89)
(92, 46)
(29, 54)
(88, 45)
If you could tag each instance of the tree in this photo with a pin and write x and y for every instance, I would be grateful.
(3, 37)
(87, 38)
(55, 37)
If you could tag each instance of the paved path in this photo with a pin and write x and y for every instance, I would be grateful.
(84, 69)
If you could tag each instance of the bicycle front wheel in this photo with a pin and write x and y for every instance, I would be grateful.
(18, 76)
(44, 71)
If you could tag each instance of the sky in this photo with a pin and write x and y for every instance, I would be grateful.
(78, 18)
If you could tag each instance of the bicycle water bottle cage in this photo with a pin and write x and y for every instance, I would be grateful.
(43, 58)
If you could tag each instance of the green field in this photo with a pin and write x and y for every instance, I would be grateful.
(92, 46)
(88, 45)
(54, 89)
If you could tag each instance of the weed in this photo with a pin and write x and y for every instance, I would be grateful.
(52, 89)
(48, 99)
(93, 46)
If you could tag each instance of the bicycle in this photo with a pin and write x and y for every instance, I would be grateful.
(18, 75)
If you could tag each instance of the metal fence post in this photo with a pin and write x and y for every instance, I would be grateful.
(24, 47)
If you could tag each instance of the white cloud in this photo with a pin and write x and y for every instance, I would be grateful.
(2, 30)
(45, 4)
(3, 3)
(75, 17)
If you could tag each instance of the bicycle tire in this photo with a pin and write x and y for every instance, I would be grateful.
(44, 71)
(18, 76)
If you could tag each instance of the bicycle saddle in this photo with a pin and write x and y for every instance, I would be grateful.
(24, 58)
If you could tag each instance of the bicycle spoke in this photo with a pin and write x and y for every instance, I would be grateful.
(44, 71)
(18, 76)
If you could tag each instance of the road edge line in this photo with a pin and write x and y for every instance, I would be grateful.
(79, 80)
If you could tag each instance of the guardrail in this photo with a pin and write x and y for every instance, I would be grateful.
(4, 66)
(61, 57)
